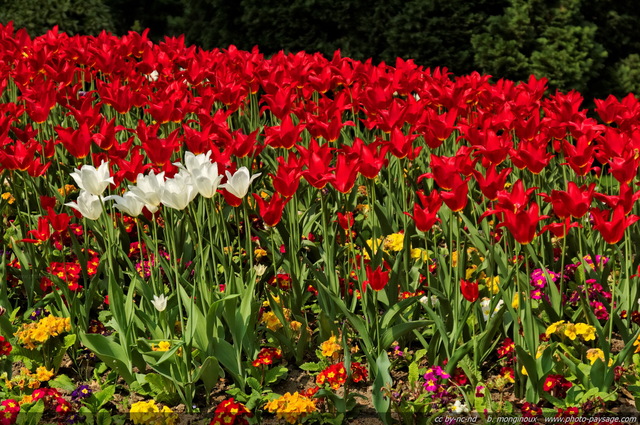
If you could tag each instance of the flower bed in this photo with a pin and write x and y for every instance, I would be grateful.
(186, 228)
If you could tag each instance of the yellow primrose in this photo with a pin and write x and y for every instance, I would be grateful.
(394, 242)
(515, 303)
(553, 328)
(331, 348)
(493, 284)
(419, 254)
(8, 197)
(570, 331)
(42, 374)
(587, 332)
(594, 354)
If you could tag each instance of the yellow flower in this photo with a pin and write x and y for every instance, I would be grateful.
(515, 303)
(454, 258)
(291, 407)
(523, 371)
(587, 332)
(295, 325)
(25, 399)
(470, 271)
(270, 319)
(331, 348)
(493, 283)
(363, 208)
(42, 374)
(553, 328)
(594, 354)
(148, 413)
(570, 331)
(41, 331)
(162, 346)
(419, 254)
(373, 246)
(8, 197)
(167, 416)
(259, 253)
(67, 189)
(143, 412)
(394, 242)
(637, 345)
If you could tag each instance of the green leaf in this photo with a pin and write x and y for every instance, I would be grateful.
(209, 372)
(109, 352)
(104, 395)
(103, 417)
(382, 379)
(33, 415)
(311, 367)
(413, 373)
(62, 381)
(275, 374)
(398, 331)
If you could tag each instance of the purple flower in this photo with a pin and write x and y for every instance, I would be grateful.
(83, 391)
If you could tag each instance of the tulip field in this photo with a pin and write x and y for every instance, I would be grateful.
(219, 237)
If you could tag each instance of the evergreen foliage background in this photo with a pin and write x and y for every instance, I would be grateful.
(588, 45)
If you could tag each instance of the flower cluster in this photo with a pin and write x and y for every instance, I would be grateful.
(9, 412)
(594, 354)
(82, 392)
(5, 346)
(54, 401)
(161, 346)
(292, 407)
(557, 385)
(330, 348)
(26, 379)
(572, 331)
(335, 375)
(433, 377)
(231, 412)
(148, 413)
(267, 356)
(31, 334)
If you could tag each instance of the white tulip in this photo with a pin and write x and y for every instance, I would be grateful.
(203, 172)
(89, 205)
(178, 191)
(159, 302)
(92, 180)
(149, 189)
(238, 183)
(129, 203)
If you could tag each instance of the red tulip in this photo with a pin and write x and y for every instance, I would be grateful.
(612, 226)
(346, 221)
(377, 279)
(426, 216)
(560, 229)
(522, 223)
(626, 198)
(346, 172)
(575, 202)
(287, 179)
(271, 213)
(532, 155)
(76, 141)
(580, 156)
(469, 290)
(457, 198)
(285, 135)
(492, 182)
